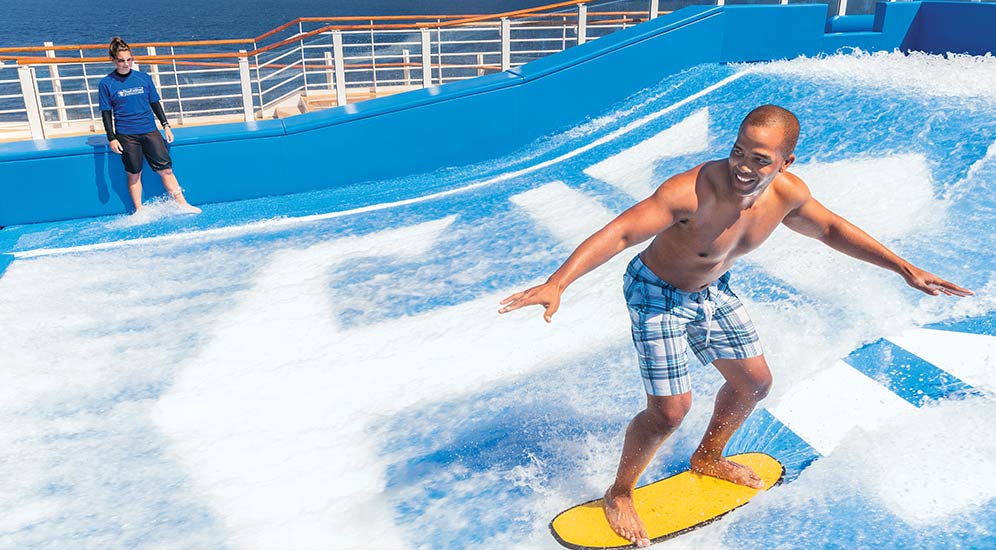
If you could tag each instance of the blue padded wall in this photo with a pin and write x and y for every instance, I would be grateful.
(955, 27)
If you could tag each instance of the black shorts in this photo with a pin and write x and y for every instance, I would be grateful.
(152, 145)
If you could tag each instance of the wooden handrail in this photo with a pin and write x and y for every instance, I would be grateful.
(454, 21)
(157, 59)
(516, 13)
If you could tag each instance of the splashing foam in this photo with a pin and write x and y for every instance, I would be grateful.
(951, 75)
(154, 210)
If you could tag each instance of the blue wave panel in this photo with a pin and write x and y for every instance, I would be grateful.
(5, 260)
(764, 433)
(905, 374)
(985, 324)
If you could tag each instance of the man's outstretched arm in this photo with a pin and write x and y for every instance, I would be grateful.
(815, 220)
(637, 224)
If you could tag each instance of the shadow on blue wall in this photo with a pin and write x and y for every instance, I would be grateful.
(109, 174)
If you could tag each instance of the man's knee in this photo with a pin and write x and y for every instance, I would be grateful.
(667, 412)
(757, 384)
(748, 376)
(165, 172)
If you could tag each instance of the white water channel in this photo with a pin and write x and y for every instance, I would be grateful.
(342, 380)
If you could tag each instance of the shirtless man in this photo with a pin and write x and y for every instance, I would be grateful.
(678, 292)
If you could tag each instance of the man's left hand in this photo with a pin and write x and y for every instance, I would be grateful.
(929, 283)
(169, 134)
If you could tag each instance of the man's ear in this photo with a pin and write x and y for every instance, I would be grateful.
(788, 162)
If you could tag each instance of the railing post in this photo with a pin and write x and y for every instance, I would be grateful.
(842, 7)
(89, 95)
(439, 53)
(245, 80)
(304, 66)
(259, 79)
(340, 68)
(480, 64)
(60, 102)
(373, 58)
(426, 58)
(176, 84)
(655, 9)
(582, 23)
(329, 70)
(154, 69)
(563, 34)
(506, 44)
(29, 91)
(406, 58)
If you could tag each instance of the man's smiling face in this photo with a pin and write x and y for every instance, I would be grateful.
(757, 158)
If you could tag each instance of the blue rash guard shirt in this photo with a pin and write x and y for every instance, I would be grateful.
(130, 98)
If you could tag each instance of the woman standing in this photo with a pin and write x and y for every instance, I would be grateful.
(128, 99)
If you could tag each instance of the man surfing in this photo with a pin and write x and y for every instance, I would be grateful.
(679, 295)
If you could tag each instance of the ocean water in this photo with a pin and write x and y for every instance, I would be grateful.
(328, 370)
(89, 22)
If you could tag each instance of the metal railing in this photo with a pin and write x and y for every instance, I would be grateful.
(309, 63)
(306, 64)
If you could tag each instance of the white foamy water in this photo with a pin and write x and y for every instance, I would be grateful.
(951, 75)
(343, 380)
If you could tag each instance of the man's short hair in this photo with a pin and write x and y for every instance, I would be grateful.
(773, 115)
(117, 45)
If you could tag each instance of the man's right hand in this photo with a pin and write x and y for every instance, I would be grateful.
(546, 294)
(116, 146)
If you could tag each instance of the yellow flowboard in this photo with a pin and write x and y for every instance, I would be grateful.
(668, 507)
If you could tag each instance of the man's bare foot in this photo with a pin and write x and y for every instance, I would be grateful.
(623, 518)
(724, 469)
(186, 207)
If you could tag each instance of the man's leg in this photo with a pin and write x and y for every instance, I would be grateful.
(645, 434)
(747, 382)
(173, 188)
(135, 189)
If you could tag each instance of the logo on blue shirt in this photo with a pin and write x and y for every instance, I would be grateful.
(131, 91)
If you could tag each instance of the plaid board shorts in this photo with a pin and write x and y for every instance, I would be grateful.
(666, 321)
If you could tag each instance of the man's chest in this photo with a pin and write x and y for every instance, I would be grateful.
(719, 235)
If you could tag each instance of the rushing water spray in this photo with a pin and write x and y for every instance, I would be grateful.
(344, 381)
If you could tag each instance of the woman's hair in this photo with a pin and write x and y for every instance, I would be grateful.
(117, 45)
